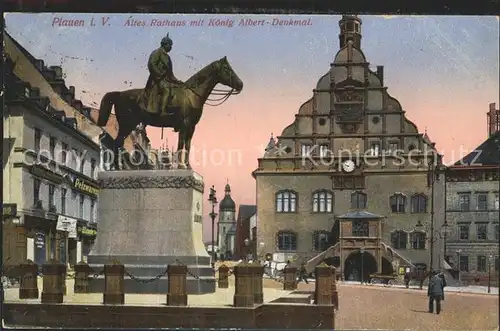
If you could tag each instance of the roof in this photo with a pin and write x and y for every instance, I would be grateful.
(245, 212)
(359, 214)
(227, 203)
(485, 154)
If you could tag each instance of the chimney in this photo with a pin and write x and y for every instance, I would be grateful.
(493, 117)
(380, 74)
(39, 65)
(57, 71)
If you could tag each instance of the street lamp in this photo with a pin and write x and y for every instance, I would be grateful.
(433, 169)
(362, 251)
(458, 264)
(490, 259)
(247, 242)
(213, 201)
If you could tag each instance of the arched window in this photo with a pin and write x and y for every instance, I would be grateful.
(419, 203)
(398, 203)
(418, 240)
(286, 201)
(321, 240)
(399, 239)
(322, 201)
(286, 241)
(358, 200)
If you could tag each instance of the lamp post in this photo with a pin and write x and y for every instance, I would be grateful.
(362, 251)
(490, 259)
(458, 264)
(247, 242)
(434, 176)
(445, 228)
(213, 201)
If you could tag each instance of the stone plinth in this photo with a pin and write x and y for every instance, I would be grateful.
(149, 219)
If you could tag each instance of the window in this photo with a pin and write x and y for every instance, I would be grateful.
(463, 232)
(324, 151)
(322, 202)
(321, 240)
(75, 159)
(482, 231)
(64, 153)
(497, 203)
(464, 202)
(350, 26)
(393, 147)
(481, 263)
(398, 203)
(92, 209)
(53, 148)
(63, 200)
(496, 229)
(36, 190)
(52, 190)
(419, 203)
(463, 263)
(497, 264)
(287, 241)
(82, 199)
(358, 200)
(92, 168)
(360, 228)
(374, 149)
(482, 201)
(82, 163)
(399, 239)
(38, 139)
(305, 150)
(418, 240)
(286, 202)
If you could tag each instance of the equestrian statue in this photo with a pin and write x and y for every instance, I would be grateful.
(167, 102)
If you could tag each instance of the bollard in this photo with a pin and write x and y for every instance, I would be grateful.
(290, 278)
(223, 280)
(323, 290)
(257, 273)
(28, 283)
(82, 279)
(113, 284)
(335, 293)
(53, 272)
(243, 292)
(177, 291)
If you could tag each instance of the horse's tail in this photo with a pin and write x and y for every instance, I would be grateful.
(107, 103)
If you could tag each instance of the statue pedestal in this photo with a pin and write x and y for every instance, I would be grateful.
(149, 219)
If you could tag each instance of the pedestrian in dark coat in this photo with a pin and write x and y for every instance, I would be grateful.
(441, 275)
(435, 293)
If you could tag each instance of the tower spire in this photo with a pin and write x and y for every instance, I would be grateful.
(350, 30)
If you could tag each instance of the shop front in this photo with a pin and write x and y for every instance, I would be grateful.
(87, 234)
(40, 238)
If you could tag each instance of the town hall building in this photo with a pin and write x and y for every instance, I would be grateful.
(351, 178)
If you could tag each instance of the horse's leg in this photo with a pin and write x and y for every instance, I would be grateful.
(187, 145)
(181, 143)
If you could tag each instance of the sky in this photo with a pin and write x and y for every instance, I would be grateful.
(444, 70)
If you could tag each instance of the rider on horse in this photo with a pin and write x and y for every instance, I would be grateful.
(161, 78)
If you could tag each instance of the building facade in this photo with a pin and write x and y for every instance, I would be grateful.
(50, 170)
(245, 242)
(226, 226)
(472, 212)
(351, 147)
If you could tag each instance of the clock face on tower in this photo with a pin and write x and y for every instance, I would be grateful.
(348, 166)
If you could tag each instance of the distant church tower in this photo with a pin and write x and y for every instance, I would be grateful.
(226, 230)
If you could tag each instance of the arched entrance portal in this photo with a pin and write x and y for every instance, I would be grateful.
(387, 268)
(357, 261)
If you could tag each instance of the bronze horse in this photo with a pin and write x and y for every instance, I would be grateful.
(189, 100)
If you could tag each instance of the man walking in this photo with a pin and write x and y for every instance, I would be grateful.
(435, 292)
(303, 274)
